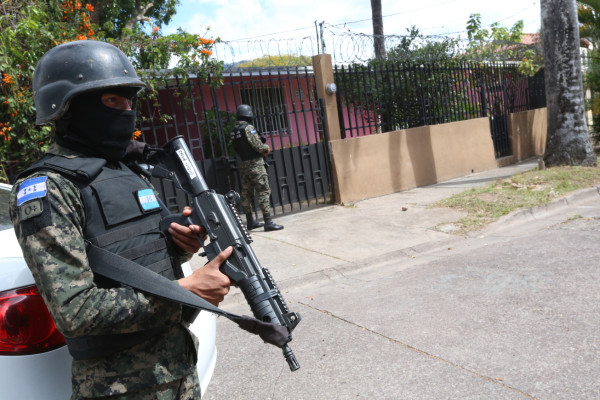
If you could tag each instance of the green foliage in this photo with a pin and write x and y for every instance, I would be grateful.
(588, 14)
(500, 44)
(29, 28)
(284, 60)
(214, 145)
(27, 31)
(116, 17)
(415, 48)
(423, 81)
(418, 83)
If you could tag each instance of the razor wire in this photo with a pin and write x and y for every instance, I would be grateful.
(345, 46)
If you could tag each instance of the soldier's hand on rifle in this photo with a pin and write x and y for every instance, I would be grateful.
(208, 282)
(186, 237)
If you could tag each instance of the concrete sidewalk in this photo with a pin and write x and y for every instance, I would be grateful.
(323, 242)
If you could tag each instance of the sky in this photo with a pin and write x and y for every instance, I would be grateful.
(276, 22)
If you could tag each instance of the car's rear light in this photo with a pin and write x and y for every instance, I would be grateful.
(25, 324)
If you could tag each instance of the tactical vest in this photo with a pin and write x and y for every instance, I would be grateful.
(122, 216)
(242, 145)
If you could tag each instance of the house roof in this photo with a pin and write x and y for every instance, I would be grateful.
(530, 38)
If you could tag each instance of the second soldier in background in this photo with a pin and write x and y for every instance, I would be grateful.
(252, 149)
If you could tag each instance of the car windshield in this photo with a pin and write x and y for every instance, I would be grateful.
(5, 222)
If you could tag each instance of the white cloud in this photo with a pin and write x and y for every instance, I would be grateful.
(254, 20)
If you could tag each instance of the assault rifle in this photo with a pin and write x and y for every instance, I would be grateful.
(219, 217)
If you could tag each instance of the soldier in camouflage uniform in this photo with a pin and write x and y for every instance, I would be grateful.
(125, 344)
(252, 149)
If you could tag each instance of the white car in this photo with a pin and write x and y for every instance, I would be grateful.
(34, 361)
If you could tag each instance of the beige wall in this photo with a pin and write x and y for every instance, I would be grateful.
(527, 132)
(376, 165)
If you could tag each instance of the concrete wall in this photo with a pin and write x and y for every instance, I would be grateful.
(376, 165)
(527, 132)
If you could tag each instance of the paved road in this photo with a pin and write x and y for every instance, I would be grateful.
(512, 312)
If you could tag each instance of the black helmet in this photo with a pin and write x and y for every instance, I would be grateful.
(244, 111)
(73, 68)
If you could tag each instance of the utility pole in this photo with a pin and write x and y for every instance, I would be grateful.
(378, 38)
(320, 38)
(568, 140)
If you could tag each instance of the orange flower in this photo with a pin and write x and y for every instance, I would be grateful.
(204, 51)
(7, 79)
(4, 132)
(136, 134)
(81, 37)
(155, 29)
(89, 7)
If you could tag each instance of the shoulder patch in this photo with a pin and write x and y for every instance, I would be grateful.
(147, 200)
(30, 189)
(31, 209)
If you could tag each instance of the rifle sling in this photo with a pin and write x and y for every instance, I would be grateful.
(130, 273)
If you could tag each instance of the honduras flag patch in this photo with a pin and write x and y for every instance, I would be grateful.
(147, 200)
(33, 188)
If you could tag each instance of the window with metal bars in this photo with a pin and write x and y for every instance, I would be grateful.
(268, 104)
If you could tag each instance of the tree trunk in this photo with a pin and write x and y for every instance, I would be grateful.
(138, 15)
(98, 5)
(568, 141)
(378, 38)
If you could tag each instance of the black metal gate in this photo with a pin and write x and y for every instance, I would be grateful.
(503, 91)
(384, 97)
(287, 110)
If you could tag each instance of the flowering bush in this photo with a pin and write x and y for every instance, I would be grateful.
(29, 28)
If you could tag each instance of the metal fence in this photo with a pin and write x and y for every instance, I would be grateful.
(287, 110)
(389, 96)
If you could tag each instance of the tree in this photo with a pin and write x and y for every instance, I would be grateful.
(588, 14)
(29, 28)
(378, 38)
(117, 17)
(501, 44)
(414, 85)
(568, 141)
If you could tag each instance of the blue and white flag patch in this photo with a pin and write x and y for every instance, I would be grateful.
(33, 188)
(147, 200)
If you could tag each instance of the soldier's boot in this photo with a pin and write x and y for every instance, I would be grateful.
(251, 223)
(269, 224)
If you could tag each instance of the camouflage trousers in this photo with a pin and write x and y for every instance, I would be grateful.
(187, 388)
(255, 182)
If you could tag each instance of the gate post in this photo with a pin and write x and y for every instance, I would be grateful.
(323, 70)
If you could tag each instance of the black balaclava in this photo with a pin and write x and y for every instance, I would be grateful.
(96, 130)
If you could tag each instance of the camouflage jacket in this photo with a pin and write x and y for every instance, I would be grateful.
(53, 246)
(256, 144)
